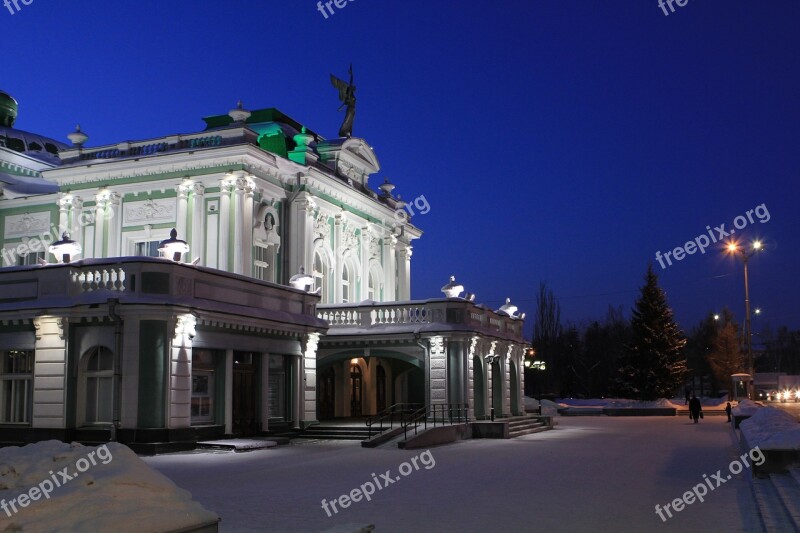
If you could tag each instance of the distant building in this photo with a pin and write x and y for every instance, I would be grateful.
(117, 341)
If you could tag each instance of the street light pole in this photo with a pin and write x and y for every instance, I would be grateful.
(734, 249)
(749, 338)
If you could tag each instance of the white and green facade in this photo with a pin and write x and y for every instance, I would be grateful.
(122, 343)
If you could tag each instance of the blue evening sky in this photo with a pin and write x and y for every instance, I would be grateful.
(565, 141)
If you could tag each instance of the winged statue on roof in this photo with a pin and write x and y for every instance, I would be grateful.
(347, 95)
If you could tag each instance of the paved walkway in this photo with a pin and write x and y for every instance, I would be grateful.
(590, 474)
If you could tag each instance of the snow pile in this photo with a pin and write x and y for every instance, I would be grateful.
(746, 408)
(548, 407)
(55, 485)
(617, 403)
(771, 429)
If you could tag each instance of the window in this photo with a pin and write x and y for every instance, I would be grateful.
(203, 387)
(147, 249)
(31, 258)
(346, 286)
(16, 386)
(320, 277)
(371, 287)
(263, 260)
(99, 385)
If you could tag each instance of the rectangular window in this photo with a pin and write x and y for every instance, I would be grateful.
(16, 387)
(147, 249)
(203, 387)
(262, 267)
(31, 258)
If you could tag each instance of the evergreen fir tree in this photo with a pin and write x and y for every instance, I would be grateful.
(653, 365)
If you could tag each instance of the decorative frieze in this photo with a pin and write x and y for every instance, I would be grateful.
(26, 225)
(149, 212)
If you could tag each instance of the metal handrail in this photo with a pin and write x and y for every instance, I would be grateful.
(446, 410)
(389, 412)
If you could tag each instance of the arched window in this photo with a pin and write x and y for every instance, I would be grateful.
(320, 275)
(346, 283)
(98, 373)
(371, 287)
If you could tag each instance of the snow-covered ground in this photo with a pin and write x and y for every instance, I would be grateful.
(54, 486)
(588, 474)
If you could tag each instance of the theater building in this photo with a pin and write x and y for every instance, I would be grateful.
(288, 300)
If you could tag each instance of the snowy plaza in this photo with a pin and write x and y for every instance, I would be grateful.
(589, 474)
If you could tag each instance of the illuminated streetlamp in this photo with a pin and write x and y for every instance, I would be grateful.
(65, 249)
(734, 250)
(173, 247)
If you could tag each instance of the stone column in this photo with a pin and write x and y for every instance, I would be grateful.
(246, 244)
(99, 225)
(403, 271)
(228, 391)
(238, 225)
(298, 392)
(75, 221)
(64, 207)
(50, 373)
(180, 372)
(390, 268)
(198, 237)
(365, 257)
(310, 379)
(437, 370)
(182, 215)
(226, 186)
(338, 252)
(113, 214)
(299, 234)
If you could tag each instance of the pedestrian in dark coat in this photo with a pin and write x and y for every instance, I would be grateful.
(695, 409)
(728, 411)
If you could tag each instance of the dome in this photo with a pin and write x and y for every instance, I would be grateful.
(33, 145)
(8, 109)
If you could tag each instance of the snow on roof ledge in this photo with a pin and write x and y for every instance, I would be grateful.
(110, 489)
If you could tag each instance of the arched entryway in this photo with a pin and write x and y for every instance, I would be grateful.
(380, 389)
(514, 374)
(497, 388)
(478, 388)
(356, 390)
(327, 393)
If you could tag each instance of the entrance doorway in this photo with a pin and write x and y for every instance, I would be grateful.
(380, 388)
(478, 387)
(356, 386)
(244, 394)
(327, 394)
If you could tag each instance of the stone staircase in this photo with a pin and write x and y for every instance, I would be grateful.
(336, 432)
(519, 426)
(778, 499)
(684, 411)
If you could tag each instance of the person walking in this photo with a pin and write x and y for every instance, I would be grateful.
(728, 411)
(695, 409)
